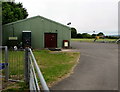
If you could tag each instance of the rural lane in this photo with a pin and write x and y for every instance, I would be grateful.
(97, 69)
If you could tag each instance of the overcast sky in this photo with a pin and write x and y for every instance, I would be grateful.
(85, 15)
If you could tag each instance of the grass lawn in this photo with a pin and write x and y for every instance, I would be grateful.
(92, 40)
(53, 65)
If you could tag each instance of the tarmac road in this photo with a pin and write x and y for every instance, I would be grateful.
(97, 70)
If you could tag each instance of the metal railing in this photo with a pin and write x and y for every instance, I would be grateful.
(30, 73)
(33, 84)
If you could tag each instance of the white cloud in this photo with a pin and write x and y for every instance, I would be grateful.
(85, 15)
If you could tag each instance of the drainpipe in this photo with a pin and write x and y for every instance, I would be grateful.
(13, 30)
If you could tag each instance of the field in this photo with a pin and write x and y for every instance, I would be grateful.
(92, 40)
(54, 65)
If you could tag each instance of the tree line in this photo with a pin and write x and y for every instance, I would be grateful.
(74, 34)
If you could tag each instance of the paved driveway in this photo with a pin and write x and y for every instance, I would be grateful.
(97, 70)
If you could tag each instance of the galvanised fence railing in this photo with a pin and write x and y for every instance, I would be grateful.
(32, 71)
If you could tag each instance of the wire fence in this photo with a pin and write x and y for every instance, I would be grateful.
(16, 65)
(14, 69)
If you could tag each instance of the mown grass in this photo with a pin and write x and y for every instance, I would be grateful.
(53, 65)
(92, 40)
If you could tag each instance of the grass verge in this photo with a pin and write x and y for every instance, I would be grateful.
(55, 65)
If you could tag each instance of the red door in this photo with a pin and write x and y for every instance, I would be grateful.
(50, 40)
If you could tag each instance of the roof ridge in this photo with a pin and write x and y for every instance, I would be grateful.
(35, 17)
(19, 20)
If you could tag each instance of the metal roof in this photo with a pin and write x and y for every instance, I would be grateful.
(33, 18)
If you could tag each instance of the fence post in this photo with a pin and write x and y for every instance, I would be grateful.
(7, 66)
(27, 65)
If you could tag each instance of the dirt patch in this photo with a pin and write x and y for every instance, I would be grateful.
(8, 85)
(64, 50)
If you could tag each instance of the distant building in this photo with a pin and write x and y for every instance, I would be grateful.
(37, 32)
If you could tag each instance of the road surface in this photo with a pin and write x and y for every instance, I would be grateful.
(97, 70)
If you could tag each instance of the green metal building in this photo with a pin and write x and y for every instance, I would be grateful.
(45, 33)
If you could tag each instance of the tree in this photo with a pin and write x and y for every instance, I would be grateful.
(73, 33)
(12, 11)
(86, 35)
(79, 35)
(100, 34)
(94, 35)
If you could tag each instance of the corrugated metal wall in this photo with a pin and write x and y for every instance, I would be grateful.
(38, 26)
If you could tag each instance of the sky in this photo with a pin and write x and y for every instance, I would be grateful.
(85, 15)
